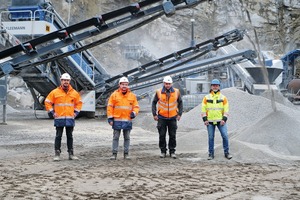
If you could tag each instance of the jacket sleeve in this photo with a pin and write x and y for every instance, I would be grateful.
(226, 107)
(78, 103)
(154, 102)
(110, 107)
(180, 105)
(49, 101)
(136, 107)
(203, 107)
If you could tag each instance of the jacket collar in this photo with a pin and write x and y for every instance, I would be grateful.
(164, 89)
(70, 88)
(119, 90)
(213, 93)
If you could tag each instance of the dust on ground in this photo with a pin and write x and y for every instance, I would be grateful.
(257, 171)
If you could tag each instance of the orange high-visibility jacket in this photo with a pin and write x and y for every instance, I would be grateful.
(119, 108)
(66, 105)
(167, 106)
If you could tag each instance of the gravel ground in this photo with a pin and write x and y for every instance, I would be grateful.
(266, 158)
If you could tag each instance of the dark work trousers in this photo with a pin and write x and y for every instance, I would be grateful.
(164, 125)
(59, 133)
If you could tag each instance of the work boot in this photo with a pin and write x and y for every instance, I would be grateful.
(126, 156)
(57, 156)
(228, 156)
(173, 155)
(162, 155)
(71, 156)
(210, 157)
(113, 157)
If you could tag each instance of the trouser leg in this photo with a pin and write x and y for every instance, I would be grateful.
(162, 130)
(115, 143)
(211, 138)
(69, 133)
(126, 134)
(223, 131)
(57, 142)
(172, 127)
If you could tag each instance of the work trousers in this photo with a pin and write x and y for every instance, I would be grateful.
(164, 125)
(115, 143)
(211, 137)
(59, 133)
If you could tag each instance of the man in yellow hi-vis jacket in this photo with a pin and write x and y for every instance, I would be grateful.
(214, 113)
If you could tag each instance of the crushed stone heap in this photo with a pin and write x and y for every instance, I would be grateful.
(252, 120)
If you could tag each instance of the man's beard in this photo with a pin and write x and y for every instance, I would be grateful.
(124, 90)
(65, 86)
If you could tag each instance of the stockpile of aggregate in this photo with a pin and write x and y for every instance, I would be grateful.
(245, 110)
(9, 110)
(279, 131)
(255, 122)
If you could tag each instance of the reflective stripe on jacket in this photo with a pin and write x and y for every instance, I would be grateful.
(167, 102)
(214, 107)
(119, 108)
(64, 105)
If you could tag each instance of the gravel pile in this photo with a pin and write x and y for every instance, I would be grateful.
(245, 110)
(9, 110)
(253, 120)
(279, 131)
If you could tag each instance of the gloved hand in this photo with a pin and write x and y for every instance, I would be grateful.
(132, 115)
(110, 120)
(76, 113)
(52, 114)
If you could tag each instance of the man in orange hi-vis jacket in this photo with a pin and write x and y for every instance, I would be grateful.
(167, 109)
(64, 104)
(122, 107)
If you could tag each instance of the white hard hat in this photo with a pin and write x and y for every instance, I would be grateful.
(65, 76)
(168, 79)
(123, 80)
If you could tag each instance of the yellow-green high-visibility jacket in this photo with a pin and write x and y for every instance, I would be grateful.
(214, 107)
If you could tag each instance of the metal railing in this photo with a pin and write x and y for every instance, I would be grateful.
(27, 15)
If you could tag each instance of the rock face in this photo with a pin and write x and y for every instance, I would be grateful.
(276, 24)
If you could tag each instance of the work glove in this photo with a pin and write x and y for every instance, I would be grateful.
(52, 113)
(110, 120)
(76, 113)
(132, 115)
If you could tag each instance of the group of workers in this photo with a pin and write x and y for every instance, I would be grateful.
(64, 104)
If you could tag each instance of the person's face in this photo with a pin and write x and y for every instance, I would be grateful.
(65, 83)
(215, 87)
(168, 85)
(124, 86)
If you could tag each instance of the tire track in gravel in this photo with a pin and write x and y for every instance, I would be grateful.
(146, 176)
